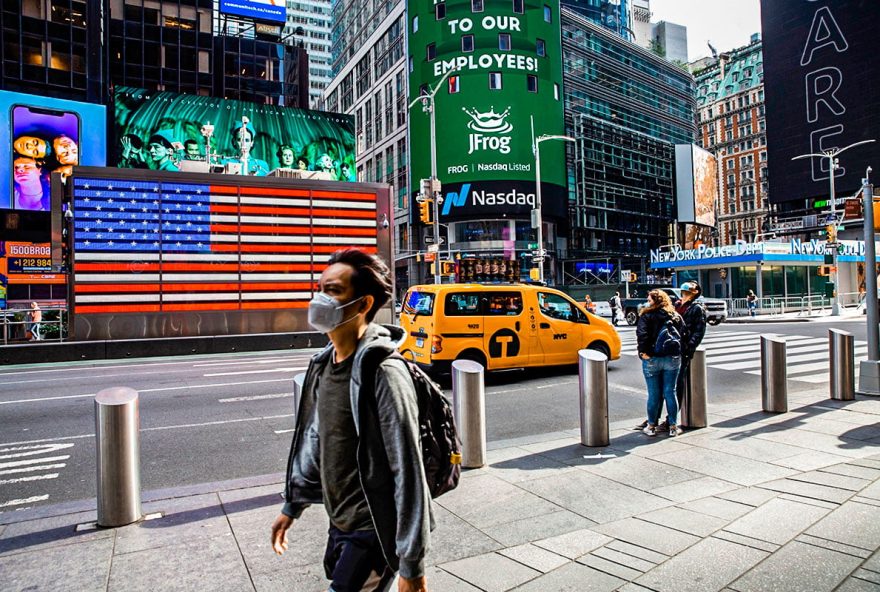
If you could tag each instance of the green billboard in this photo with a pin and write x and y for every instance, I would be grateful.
(503, 62)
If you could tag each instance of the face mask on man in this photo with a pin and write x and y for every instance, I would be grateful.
(326, 313)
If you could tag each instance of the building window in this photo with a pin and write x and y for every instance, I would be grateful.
(518, 6)
(454, 84)
(504, 41)
(495, 80)
(415, 24)
(476, 5)
(540, 48)
(532, 83)
(548, 14)
(431, 52)
(440, 11)
(467, 43)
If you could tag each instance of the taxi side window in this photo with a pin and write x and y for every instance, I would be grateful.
(462, 305)
(556, 307)
(504, 304)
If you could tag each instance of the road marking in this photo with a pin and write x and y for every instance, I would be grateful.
(31, 469)
(28, 500)
(32, 461)
(267, 371)
(154, 390)
(147, 361)
(19, 451)
(261, 361)
(254, 398)
(211, 423)
(31, 478)
(284, 431)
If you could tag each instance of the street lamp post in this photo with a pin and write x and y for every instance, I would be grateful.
(436, 197)
(539, 222)
(832, 155)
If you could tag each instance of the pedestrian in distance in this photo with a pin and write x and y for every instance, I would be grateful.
(614, 303)
(752, 303)
(356, 446)
(33, 318)
(659, 335)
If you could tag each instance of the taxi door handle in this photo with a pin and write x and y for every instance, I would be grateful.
(516, 325)
(545, 325)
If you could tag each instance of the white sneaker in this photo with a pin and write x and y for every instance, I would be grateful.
(674, 431)
(650, 430)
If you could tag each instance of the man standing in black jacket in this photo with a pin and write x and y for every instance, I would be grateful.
(694, 315)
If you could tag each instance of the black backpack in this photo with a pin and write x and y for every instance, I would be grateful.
(668, 340)
(441, 446)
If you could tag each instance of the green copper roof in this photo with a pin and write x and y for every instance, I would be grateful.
(744, 70)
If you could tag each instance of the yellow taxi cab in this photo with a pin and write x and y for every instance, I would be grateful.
(499, 326)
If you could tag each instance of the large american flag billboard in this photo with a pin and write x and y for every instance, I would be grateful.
(213, 244)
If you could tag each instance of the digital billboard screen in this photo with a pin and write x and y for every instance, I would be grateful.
(696, 184)
(262, 10)
(821, 94)
(503, 81)
(163, 130)
(43, 135)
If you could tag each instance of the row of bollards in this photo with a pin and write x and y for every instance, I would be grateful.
(117, 418)
(774, 370)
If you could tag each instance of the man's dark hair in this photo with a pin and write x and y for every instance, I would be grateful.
(371, 276)
(190, 142)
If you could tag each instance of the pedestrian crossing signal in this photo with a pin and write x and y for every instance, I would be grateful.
(824, 270)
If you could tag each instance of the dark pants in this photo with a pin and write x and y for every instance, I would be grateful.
(683, 385)
(614, 316)
(354, 562)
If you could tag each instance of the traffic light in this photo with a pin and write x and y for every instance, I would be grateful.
(831, 233)
(633, 278)
(447, 268)
(425, 207)
(824, 270)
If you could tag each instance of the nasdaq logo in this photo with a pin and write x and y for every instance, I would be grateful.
(454, 200)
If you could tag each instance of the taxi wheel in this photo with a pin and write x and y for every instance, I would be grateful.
(474, 356)
(632, 317)
(601, 348)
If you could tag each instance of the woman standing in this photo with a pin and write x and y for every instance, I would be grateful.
(660, 362)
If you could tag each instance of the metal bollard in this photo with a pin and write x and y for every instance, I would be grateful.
(841, 346)
(469, 406)
(117, 439)
(593, 397)
(298, 381)
(694, 404)
(774, 375)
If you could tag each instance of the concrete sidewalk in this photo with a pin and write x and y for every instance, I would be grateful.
(755, 502)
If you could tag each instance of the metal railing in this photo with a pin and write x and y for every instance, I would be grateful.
(779, 305)
(52, 326)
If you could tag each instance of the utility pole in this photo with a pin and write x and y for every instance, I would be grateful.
(538, 220)
(428, 105)
(869, 370)
(833, 165)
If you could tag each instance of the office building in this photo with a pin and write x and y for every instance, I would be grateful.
(62, 48)
(627, 108)
(730, 108)
(614, 15)
(309, 26)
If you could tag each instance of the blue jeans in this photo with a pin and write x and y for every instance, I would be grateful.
(661, 375)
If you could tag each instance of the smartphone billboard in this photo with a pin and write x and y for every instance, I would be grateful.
(163, 130)
(43, 135)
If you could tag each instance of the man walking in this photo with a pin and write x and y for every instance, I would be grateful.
(356, 446)
(614, 303)
(694, 314)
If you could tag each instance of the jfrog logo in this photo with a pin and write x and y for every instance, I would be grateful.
(489, 131)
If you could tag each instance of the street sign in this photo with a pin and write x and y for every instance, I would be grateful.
(533, 245)
(433, 248)
(624, 275)
(535, 214)
(429, 240)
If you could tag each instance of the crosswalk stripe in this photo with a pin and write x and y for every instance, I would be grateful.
(31, 469)
(30, 478)
(32, 461)
(20, 502)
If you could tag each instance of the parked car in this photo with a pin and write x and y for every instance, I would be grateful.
(716, 309)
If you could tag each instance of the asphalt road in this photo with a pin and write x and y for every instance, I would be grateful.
(212, 418)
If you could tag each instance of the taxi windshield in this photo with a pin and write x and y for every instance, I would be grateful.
(419, 303)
